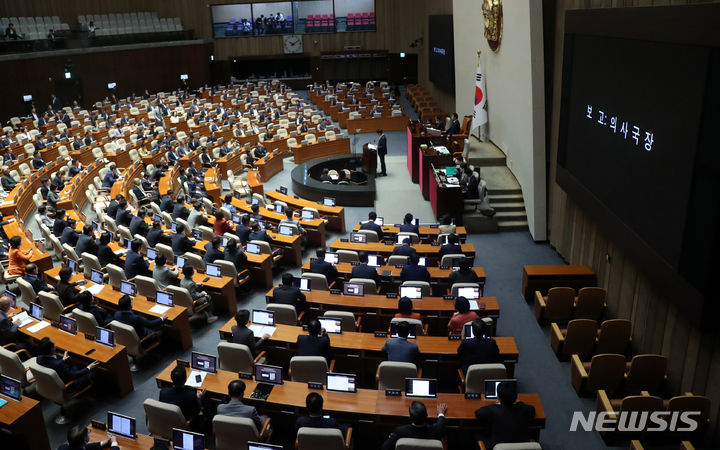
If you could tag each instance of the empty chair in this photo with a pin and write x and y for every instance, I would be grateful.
(474, 379)
(13, 367)
(195, 260)
(318, 281)
(423, 285)
(115, 275)
(419, 444)
(227, 269)
(237, 357)
(181, 297)
(392, 374)
(605, 371)
(614, 336)
(27, 293)
(233, 433)
(578, 338)
(557, 306)
(323, 438)
(397, 260)
(590, 303)
(645, 373)
(135, 347)
(348, 320)
(690, 402)
(162, 417)
(309, 369)
(86, 322)
(284, 314)
(146, 286)
(52, 308)
(369, 285)
(413, 236)
(166, 251)
(632, 403)
(518, 446)
(49, 385)
(449, 260)
(260, 199)
(347, 256)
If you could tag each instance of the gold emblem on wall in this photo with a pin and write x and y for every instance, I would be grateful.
(492, 12)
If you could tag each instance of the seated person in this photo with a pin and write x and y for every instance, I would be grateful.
(241, 334)
(365, 271)
(315, 417)
(243, 229)
(89, 304)
(221, 225)
(290, 221)
(236, 408)
(465, 274)
(325, 176)
(400, 349)
(105, 254)
(228, 204)
(259, 235)
(408, 226)
(479, 349)
(412, 271)
(509, 420)
(471, 184)
(371, 225)
(181, 244)
(17, 258)
(235, 255)
(462, 316)
(164, 275)
(212, 250)
(66, 291)
(288, 294)
(8, 329)
(314, 343)
(189, 400)
(156, 236)
(405, 249)
(319, 265)
(452, 247)
(195, 293)
(138, 225)
(143, 327)
(78, 438)
(86, 242)
(419, 429)
(135, 263)
(67, 371)
(35, 280)
(405, 308)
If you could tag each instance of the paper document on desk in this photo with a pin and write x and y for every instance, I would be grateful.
(442, 150)
(38, 326)
(372, 146)
(159, 309)
(22, 319)
(474, 305)
(260, 330)
(95, 289)
(192, 378)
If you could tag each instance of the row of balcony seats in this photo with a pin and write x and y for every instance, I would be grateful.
(127, 23)
(34, 27)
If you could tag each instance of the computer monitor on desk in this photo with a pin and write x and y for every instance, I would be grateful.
(421, 387)
(121, 425)
(203, 362)
(187, 440)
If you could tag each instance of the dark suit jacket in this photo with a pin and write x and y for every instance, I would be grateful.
(382, 145)
(212, 254)
(374, 227)
(260, 235)
(59, 226)
(454, 128)
(507, 423)
(135, 264)
(365, 271)
(139, 193)
(105, 255)
(138, 226)
(154, 237)
(325, 268)
(183, 397)
(69, 236)
(167, 205)
(142, 326)
(472, 188)
(66, 371)
(8, 182)
(37, 283)
(102, 316)
(8, 330)
(238, 258)
(180, 212)
(414, 272)
(112, 208)
(313, 345)
(86, 244)
(289, 295)
(410, 228)
(435, 431)
(449, 249)
(109, 180)
(401, 350)
(123, 217)
(458, 276)
(243, 232)
(181, 243)
(477, 351)
(245, 336)
(404, 250)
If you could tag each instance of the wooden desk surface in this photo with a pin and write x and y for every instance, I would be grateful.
(141, 441)
(353, 341)
(298, 202)
(542, 278)
(338, 146)
(364, 402)
(436, 273)
(558, 270)
(380, 247)
(13, 410)
(424, 230)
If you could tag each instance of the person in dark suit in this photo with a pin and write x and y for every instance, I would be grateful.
(243, 230)
(60, 223)
(37, 161)
(236, 408)
(55, 102)
(405, 249)
(371, 225)
(400, 349)
(259, 235)
(287, 294)
(479, 349)
(69, 235)
(465, 274)
(508, 421)
(188, 399)
(122, 215)
(67, 292)
(8, 329)
(408, 226)
(319, 265)
(167, 204)
(155, 235)
(66, 371)
(212, 250)
(452, 247)
(7, 180)
(143, 327)
(104, 252)
(235, 255)
(112, 207)
(78, 438)
(138, 225)
(314, 343)
(140, 194)
(135, 264)
(241, 334)
(86, 242)
(89, 304)
(180, 242)
(419, 428)
(454, 127)
(413, 271)
(471, 185)
(179, 210)
(382, 151)
(34, 279)
(110, 178)
(365, 271)
(315, 417)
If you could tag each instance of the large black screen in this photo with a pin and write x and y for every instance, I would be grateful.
(441, 52)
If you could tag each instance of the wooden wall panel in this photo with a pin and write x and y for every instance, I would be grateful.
(658, 325)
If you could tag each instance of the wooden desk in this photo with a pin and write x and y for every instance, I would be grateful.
(371, 124)
(254, 182)
(141, 441)
(429, 157)
(74, 191)
(386, 250)
(213, 185)
(362, 352)
(335, 215)
(42, 259)
(426, 232)
(339, 146)
(444, 198)
(23, 421)
(269, 166)
(113, 360)
(542, 278)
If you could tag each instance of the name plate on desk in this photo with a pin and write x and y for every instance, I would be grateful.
(98, 425)
(354, 263)
(335, 291)
(391, 295)
(389, 242)
(344, 240)
(399, 266)
(381, 334)
(393, 392)
(473, 395)
(448, 297)
(435, 244)
(312, 385)
(444, 267)
(245, 376)
(434, 226)
(454, 337)
(182, 363)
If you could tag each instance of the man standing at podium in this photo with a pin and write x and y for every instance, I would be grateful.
(382, 151)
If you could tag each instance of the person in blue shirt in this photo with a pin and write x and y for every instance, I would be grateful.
(413, 271)
(371, 225)
(408, 226)
(400, 349)
(323, 267)
(314, 343)
(228, 204)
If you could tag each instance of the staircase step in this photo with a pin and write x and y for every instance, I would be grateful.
(508, 206)
(504, 216)
(515, 225)
(504, 198)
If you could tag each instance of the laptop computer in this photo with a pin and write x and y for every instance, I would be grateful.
(68, 324)
(341, 382)
(421, 387)
(358, 238)
(263, 317)
(36, 311)
(332, 326)
(213, 270)
(10, 387)
(105, 336)
(411, 292)
(394, 333)
(261, 446)
(128, 288)
(355, 289)
(187, 440)
(121, 425)
(96, 276)
(327, 201)
(267, 377)
(469, 292)
(151, 254)
(308, 215)
(302, 283)
(375, 260)
(332, 258)
(252, 248)
(283, 190)
(203, 362)
(164, 298)
(286, 230)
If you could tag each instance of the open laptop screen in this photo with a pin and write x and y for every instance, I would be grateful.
(122, 425)
(203, 361)
(340, 382)
(421, 387)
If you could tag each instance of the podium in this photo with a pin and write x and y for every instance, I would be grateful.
(369, 159)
